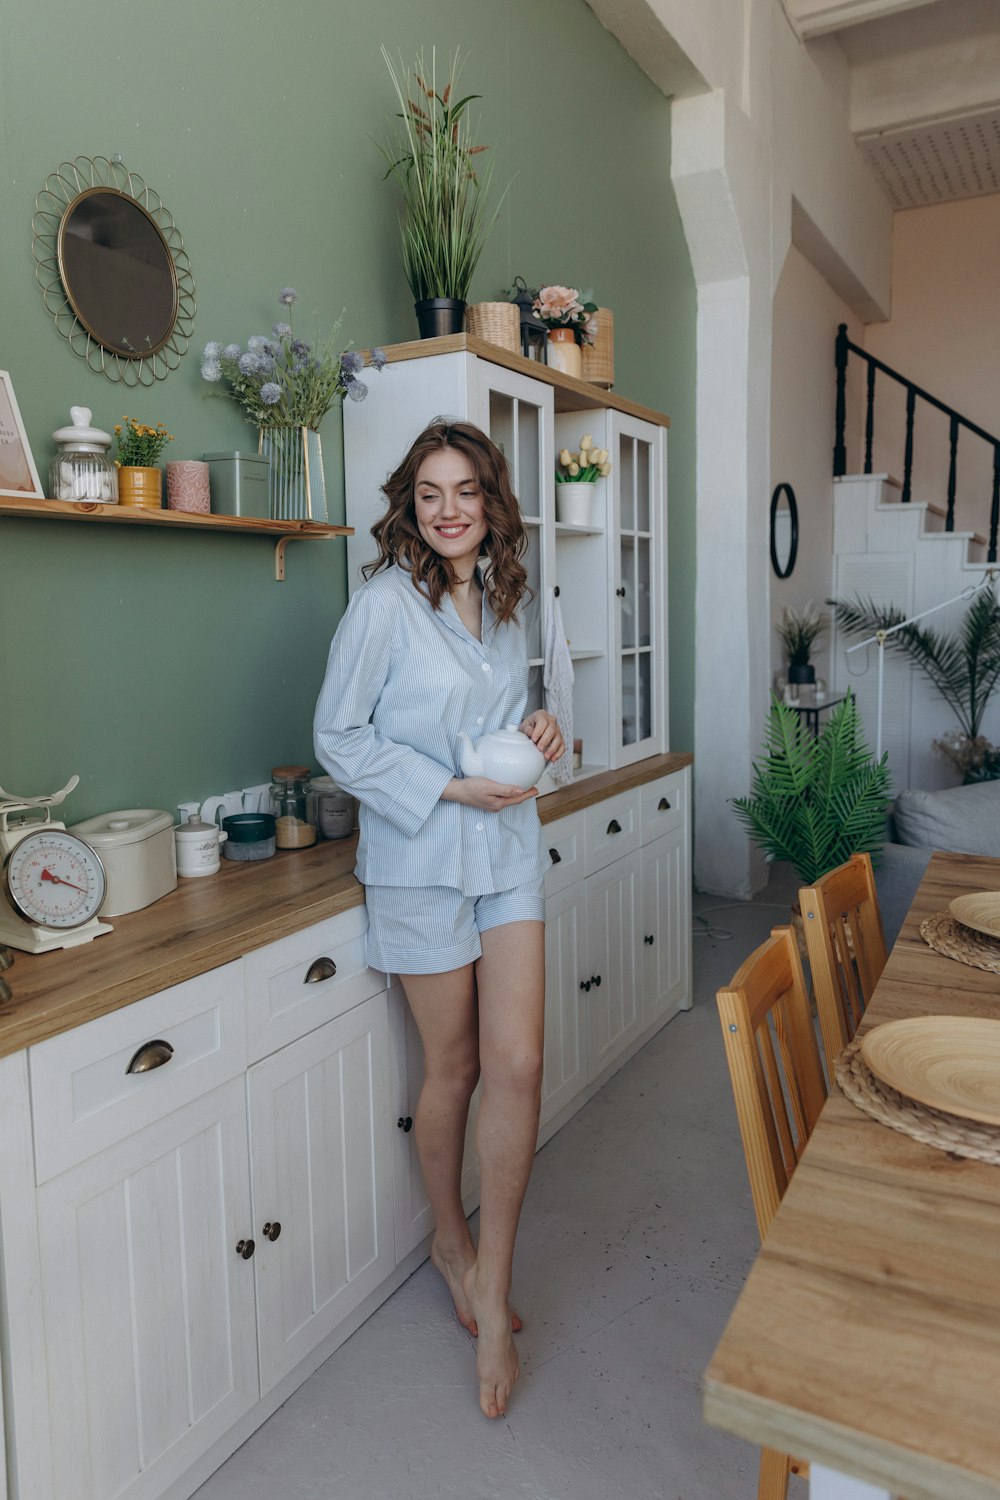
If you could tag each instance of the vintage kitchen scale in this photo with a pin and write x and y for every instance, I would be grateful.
(52, 883)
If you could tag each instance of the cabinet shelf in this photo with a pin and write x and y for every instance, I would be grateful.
(281, 532)
(567, 528)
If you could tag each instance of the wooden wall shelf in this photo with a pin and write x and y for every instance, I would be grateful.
(281, 532)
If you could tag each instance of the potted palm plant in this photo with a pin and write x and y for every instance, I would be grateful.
(964, 667)
(816, 801)
(445, 213)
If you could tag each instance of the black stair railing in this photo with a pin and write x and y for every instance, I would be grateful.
(914, 393)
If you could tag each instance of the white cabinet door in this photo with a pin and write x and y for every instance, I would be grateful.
(565, 999)
(666, 926)
(638, 553)
(613, 1007)
(413, 1217)
(322, 1182)
(517, 412)
(148, 1307)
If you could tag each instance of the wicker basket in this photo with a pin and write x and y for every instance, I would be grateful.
(496, 322)
(599, 357)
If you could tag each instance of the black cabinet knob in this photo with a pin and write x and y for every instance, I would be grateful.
(614, 826)
(405, 1125)
(245, 1248)
(650, 940)
(620, 593)
(663, 805)
(555, 856)
(271, 1231)
(585, 984)
(595, 980)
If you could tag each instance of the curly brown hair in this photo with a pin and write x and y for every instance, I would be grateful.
(399, 540)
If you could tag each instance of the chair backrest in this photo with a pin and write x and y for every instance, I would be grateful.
(846, 947)
(774, 1066)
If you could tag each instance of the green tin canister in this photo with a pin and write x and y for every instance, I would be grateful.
(239, 484)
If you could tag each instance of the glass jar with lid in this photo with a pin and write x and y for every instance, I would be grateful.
(81, 469)
(331, 808)
(294, 814)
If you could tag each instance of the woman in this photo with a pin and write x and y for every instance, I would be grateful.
(453, 867)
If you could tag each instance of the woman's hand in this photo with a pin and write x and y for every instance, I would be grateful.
(487, 795)
(543, 729)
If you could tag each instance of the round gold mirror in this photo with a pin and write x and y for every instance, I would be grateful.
(113, 270)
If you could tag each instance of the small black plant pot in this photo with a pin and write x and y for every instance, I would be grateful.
(437, 316)
(802, 673)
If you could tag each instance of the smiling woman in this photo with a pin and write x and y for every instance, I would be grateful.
(430, 655)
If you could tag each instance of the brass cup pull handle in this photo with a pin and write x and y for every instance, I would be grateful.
(271, 1231)
(663, 805)
(5, 992)
(245, 1248)
(6, 957)
(555, 856)
(614, 826)
(320, 969)
(149, 1056)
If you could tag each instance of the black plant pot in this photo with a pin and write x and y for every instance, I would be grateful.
(437, 316)
(802, 673)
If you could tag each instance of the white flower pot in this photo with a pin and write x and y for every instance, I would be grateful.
(575, 503)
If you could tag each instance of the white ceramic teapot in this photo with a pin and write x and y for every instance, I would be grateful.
(507, 756)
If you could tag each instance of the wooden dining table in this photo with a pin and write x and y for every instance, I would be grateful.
(866, 1339)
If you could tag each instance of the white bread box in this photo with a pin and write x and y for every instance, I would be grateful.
(136, 848)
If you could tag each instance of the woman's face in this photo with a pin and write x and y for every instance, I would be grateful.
(449, 508)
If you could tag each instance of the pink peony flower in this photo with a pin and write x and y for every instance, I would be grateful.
(558, 302)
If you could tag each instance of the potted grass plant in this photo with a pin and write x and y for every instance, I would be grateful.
(446, 218)
(798, 631)
(816, 801)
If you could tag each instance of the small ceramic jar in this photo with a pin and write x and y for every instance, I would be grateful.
(198, 846)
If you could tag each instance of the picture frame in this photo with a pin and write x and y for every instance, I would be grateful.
(18, 475)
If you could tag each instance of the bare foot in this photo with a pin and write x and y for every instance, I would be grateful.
(497, 1365)
(453, 1265)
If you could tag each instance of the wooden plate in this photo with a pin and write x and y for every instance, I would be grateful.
(949, 1062)
(980, 911)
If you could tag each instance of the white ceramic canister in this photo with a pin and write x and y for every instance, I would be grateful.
(136, 849)
(198, 847)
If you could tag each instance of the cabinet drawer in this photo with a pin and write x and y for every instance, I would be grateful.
(663, 805)
(283, 1002)
(612, 829)
(84, 1099)
(565, 840)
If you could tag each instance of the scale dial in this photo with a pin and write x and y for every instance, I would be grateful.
(54, 879)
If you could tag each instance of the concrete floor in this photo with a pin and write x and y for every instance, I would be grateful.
(637, 1233)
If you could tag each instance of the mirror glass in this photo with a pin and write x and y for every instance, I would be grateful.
(784, 530)
(117, 272)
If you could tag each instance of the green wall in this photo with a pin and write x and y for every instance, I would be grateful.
(163, 667)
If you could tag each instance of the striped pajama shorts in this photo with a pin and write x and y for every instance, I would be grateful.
(432, 929)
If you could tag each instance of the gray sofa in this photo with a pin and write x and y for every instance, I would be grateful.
(962, 819)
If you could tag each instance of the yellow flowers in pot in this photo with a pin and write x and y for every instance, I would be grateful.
(585, 467)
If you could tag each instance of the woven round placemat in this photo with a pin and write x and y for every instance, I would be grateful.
(942, 933)
(931, 1126)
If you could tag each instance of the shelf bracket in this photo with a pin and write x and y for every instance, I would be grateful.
(279, 551)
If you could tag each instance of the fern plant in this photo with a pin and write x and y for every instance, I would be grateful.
(963, 666)
(816, 801)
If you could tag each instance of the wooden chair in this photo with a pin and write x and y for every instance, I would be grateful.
(779, 1091)
(846, 947)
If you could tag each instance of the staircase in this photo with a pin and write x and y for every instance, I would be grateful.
(908, 553)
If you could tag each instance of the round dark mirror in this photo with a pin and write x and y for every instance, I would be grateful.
(117, 272)
(784, 530)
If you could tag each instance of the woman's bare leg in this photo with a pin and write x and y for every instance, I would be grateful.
(444, 1008)
(510, 979)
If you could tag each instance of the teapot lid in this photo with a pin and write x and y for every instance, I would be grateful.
(81, 431)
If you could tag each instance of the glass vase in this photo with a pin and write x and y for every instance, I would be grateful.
(296, 484)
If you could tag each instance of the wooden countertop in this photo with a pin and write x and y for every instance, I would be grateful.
(205, 923)
(867, 1337)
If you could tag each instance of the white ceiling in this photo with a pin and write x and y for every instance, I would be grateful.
(939, 162)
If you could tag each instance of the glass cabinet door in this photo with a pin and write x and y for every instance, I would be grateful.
(638, 715)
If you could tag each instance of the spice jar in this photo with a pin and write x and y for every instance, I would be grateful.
(81, 469)
(331, 809)
(294, 824)
(251, 836)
